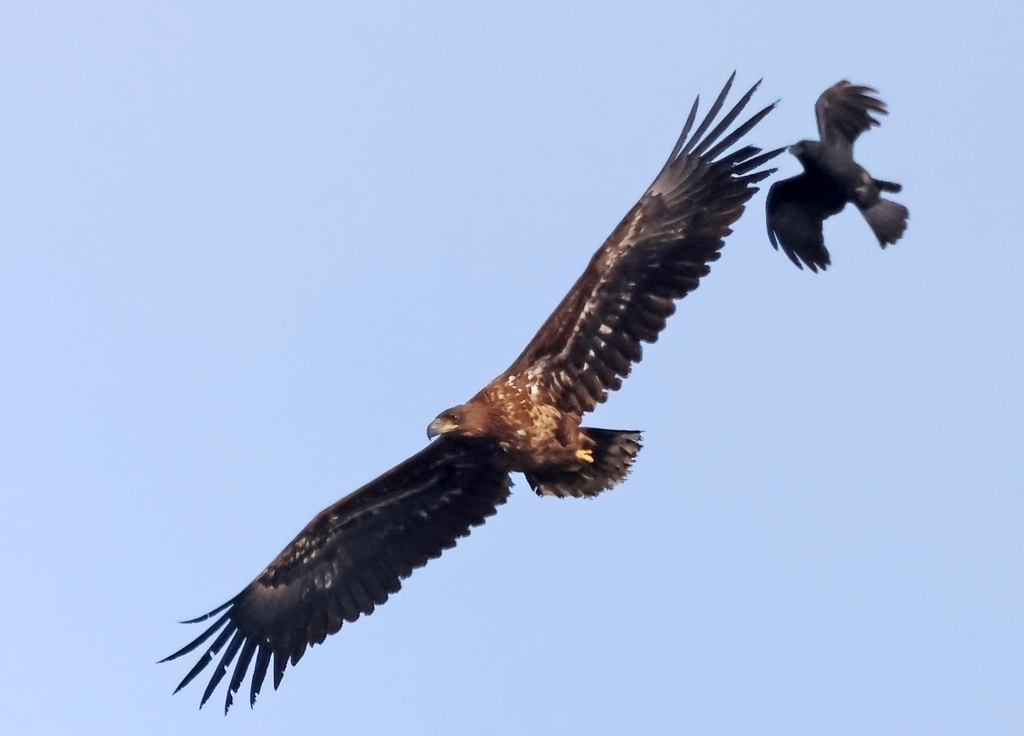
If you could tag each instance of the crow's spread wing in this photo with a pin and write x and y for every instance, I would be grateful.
(796, 208)
(844, 112)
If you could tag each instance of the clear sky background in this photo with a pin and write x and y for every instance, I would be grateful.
(248, 251)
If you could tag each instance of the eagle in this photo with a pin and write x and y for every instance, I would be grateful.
(356, 553)
(797, 207)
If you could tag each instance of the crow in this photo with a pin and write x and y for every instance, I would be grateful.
(796, 207)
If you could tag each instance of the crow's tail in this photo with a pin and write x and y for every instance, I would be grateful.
(888, 219)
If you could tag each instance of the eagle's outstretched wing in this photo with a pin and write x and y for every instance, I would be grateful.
(844, 112)
(350, 558)
(657, 254)
(353, 555)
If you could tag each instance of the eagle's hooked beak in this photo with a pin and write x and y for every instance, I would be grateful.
(439, 426)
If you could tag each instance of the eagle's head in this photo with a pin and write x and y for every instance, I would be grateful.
(467, 419)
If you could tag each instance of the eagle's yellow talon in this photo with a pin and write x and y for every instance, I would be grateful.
(586, 456)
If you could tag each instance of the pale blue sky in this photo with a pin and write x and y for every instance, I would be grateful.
(247, 253)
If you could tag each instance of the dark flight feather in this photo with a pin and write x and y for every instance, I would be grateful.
(799, 207)
(844, 111)
(656, 255)
(368, 543)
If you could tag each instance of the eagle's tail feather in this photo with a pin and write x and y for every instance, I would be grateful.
(613, 451)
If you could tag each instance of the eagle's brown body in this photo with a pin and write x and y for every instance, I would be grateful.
(537, 438)
(532, 433)
(353, 555)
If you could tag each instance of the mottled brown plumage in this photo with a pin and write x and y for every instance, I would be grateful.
(353, 555)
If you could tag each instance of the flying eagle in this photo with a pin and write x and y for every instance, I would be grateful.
(797, 207)
(356, 553)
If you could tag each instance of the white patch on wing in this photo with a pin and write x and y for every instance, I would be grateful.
(324, 581)
(534, 375)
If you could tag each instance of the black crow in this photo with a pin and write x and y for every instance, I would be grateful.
(796, 207)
